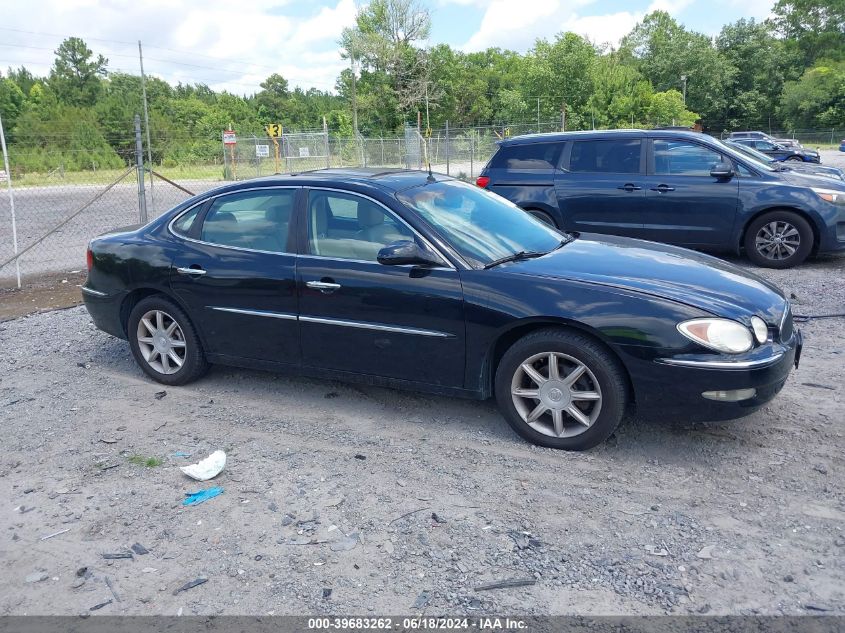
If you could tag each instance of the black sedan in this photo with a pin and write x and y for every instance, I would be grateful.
(780, 152)
(404, 279)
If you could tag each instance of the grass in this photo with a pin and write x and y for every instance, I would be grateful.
(107, 176)
(149, 462)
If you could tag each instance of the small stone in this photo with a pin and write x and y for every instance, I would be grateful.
(37, 576)
(788, 578)
(821, 468)
(706, 552)
(327, 592)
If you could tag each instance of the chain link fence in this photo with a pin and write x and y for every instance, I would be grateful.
(61, 203)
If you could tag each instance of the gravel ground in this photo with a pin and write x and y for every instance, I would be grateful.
(342, 499)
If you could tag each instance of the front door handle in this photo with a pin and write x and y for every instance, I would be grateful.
(190, 271)
(629, 186)
(326, 287)
(663, 188)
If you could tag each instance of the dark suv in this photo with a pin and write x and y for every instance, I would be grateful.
(670, 186)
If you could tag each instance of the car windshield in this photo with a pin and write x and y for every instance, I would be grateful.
(481, 226)
(749, 153)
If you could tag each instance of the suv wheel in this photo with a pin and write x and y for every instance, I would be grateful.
(778, 239)
(544, 217)
(561, 389)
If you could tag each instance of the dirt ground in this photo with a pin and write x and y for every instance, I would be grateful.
(341, 499)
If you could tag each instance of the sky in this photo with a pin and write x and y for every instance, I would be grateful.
(233, 45)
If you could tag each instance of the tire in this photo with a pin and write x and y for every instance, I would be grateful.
(181, 340)
(544, 217)
(603, 376)
(794, 232)
(796, 158)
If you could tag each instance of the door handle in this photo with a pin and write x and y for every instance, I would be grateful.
(663, 188)
(629, 186)
(326, 287)
(190, 271)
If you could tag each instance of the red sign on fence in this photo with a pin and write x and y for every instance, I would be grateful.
(229, 137)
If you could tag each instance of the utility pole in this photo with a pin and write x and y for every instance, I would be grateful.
(146, 122)
(427, 120)
(684, 80)
(354, 98)
(11, 201)
(538, 115)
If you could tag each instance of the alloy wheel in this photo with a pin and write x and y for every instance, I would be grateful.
(777, 240)
(556, 395)
(161, 341)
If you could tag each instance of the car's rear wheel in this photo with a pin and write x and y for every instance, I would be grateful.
(561, 389)
(778, 239)
(164, 342)
(544, 217)
(796, 158)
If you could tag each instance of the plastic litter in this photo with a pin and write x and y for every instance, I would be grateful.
(195, 498)
(181, 454)
(207, 468)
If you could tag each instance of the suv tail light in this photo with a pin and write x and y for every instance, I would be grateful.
(482, 181)
(89, 258)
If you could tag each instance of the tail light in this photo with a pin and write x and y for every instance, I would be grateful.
(482, 181)
(89, 258)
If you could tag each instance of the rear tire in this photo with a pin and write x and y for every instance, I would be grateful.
(778, 239)
(164, 342)
(544, 217)
(796, 158)
(574, 406)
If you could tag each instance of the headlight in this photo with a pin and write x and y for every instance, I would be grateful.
(830, 195)
(722, 335)
(761, 330)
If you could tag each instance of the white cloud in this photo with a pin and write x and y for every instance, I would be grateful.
(603, 29)
(228, 46)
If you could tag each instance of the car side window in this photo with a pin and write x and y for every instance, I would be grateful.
(347, 226)
(680, 158)
(764, 145)
(531, 156)
(620, 156)
(183, 225)
(254, 220)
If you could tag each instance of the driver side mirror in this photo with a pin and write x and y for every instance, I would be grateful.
(404, 252)
(722, 170)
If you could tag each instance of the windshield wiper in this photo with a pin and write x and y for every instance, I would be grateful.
(514, 257)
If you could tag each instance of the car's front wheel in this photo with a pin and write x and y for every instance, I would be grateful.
(796, 158)
(164, 342)
(778, 239)
(561, 389)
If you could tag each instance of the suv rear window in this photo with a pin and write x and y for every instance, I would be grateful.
(616, 156)
(530, 156)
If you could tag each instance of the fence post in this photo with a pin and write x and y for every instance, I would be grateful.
(471, 151)
(447, 148)
(11, 203)
(139, 164)
(326, 141)
(832, 130)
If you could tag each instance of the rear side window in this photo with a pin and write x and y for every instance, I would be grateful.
(183, 225)
(255, 220)
(620, 156)
(534, 156)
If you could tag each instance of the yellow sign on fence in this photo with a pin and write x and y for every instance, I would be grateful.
(274, 130)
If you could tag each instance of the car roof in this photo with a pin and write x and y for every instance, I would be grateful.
(395, 179)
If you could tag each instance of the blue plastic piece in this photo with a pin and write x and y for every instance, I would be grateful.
(195, 498)
(181, 454)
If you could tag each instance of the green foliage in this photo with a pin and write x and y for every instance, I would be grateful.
(788, 71)
(147, 462)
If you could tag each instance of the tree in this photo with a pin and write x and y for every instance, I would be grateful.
(815, 27)
(76, 74)
(817, 99)
(665, 52)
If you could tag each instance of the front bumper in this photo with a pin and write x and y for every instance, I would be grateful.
(671, 389)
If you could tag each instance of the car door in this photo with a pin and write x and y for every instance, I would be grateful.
(600, 188)
(686, 205)
(236, 274)
(359, 316)
(769, 148)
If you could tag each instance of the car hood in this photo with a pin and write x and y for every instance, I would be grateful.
(807, 179)
(669, 272)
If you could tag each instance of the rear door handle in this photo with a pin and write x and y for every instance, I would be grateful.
(326, 287)
(629, 186)
(663, 188)
(190, 271)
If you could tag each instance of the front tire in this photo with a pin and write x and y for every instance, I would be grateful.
(164, 342)
(561, 389)
(544, 217)
(778, 239)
